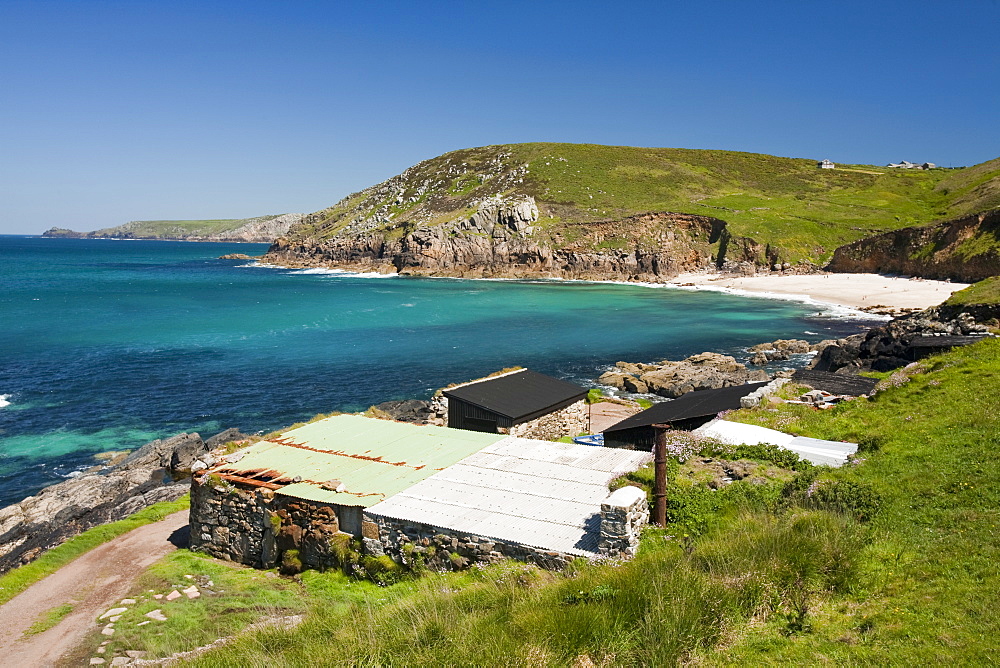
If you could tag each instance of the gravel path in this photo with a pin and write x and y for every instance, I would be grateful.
(92, 583)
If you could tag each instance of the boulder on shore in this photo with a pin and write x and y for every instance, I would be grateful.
(705, 371)
(888, 347)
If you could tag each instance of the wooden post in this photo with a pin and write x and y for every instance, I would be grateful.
(660, 475)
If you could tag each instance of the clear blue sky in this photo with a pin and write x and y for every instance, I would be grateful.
(116, 111)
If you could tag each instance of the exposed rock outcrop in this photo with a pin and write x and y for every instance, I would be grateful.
(407, 410)
(966, 249)
(501, 239)
(147, 476)
(259, 230)
(889, 346)
(780, 350)
(705, 371)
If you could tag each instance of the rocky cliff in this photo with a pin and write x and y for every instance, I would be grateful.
(502, 239)
(966, 249)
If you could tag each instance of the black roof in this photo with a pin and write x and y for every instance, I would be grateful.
(519, 395)
(835, 383)
(925, 341)
(699, 403)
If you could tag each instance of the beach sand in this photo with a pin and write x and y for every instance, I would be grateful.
(874, 293)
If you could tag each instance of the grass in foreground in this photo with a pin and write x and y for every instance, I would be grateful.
(19, 579)
(232, 598)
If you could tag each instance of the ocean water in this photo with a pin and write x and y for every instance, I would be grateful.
(105, 345)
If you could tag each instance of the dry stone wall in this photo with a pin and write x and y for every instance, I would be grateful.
(261, 529)
(264, 530)
(623, 514)
(232, 523)
(444, 549)
(568, 421)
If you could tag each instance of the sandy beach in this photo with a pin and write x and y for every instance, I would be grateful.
(874, 293)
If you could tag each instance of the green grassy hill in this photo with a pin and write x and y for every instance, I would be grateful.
(785, 202)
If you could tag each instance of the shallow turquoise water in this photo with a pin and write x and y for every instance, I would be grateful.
(107, 344)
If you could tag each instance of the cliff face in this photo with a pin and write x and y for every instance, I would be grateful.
(502, 240)
(259, 230)
(966, 249)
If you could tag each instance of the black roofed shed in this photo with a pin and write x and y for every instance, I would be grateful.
(835, 383)
(504, 401)
(688, 411)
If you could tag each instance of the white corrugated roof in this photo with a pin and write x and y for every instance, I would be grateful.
(831, 453)
(537, 493)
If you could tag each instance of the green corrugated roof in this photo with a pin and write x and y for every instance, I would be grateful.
(344, 448)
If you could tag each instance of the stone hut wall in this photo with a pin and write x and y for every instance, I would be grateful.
(444, 549)
(258, 528)
(623, 514)
(230, 522)
(569, 421)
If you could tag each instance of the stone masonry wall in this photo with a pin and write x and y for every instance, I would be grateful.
(569, 421)
(444, 549)
(257, 528)
(623, 514)
(231, 523)
(305, 533)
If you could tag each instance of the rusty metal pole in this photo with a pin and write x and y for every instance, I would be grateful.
(660, 475)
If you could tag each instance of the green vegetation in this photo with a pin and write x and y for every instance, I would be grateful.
(49, 618)
(983, 292)
(232, 598)
(19, 579)
(888, 560)
(972, 189)
(891, 560)
(788, 203)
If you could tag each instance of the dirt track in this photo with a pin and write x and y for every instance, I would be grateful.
(92, 583)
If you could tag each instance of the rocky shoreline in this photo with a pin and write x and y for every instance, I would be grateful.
(158, 471)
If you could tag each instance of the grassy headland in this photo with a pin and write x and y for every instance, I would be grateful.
(787, 203)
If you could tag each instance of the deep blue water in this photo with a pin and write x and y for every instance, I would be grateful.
(105, 345)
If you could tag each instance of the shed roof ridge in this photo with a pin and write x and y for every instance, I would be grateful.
(484, 379)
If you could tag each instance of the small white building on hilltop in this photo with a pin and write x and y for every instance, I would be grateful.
(825, 164)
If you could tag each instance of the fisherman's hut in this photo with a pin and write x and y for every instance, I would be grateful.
(521, 403)
(688, 411)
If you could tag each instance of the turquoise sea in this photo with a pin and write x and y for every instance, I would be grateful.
(105, 345)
